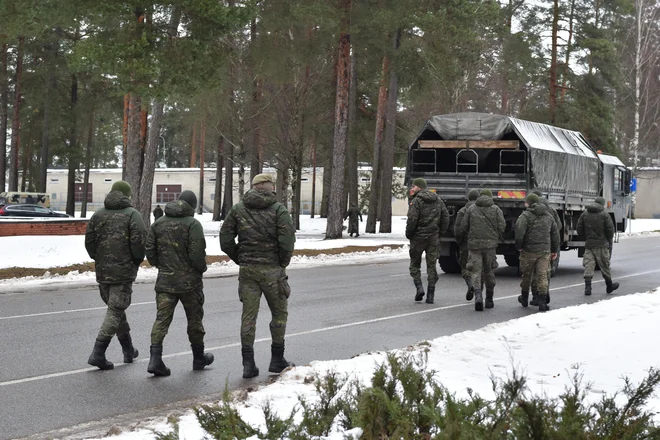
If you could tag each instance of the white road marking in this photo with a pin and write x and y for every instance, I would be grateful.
(61, 312)
(303, 333)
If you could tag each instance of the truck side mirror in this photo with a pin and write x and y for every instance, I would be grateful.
(627, 182)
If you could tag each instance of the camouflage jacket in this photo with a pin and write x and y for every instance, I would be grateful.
(536, 230)
(427, 216)
(459, 228)
(115, 240)
(264, 229)
(176, 246)
(484, 224)
(553, 212)
(596, 227)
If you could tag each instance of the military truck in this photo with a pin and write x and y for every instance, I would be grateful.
(459, 152)
(29, 198)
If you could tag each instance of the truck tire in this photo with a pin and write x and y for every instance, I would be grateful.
(449, 264)
(512, 260)
(554, 265)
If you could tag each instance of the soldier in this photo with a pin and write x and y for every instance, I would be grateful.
(115, 241)
(537, 240)
(176, 246)
(158, 212)
(555, 216)
(352, 215)
(596, 226)
(265, 246)
(461, 240)
(428, 218)
(484, 224)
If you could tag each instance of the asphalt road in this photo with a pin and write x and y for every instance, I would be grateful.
(334, 313)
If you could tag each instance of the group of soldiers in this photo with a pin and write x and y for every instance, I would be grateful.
(117, 240)
(478, 229)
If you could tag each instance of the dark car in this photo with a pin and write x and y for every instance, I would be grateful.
(29, 211)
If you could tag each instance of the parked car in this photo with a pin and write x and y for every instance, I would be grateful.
(29, 211)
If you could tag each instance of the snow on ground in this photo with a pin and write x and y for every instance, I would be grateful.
(547, 348)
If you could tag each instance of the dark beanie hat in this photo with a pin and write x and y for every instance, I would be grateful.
(122, 187)
(600, 201)
(190, 198)
(473, 195)
(420, 183)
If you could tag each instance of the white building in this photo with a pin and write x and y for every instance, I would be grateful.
(169, 182)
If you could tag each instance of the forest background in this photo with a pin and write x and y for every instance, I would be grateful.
(291, 84)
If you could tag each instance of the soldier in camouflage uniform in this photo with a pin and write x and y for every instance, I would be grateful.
(597, 228)
(428, 218)
(353, 214)
(537, 240)
(555, 216)
(115, 241)
(484, 225)
(266, 238)
(176, 246)
(461, 240)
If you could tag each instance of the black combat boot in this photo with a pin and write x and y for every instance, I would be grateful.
(127, 348)
(156, 365)
(249, 368)
(543, 306)
(535, 298)
(478, 301)
(547, 296)
(611, 287)
(420, 290)
(587, 286)
(470, 292)
(97, 358)
(489, 299)
(430, 295)
(523, 298)
(200, 359)
(277, 361)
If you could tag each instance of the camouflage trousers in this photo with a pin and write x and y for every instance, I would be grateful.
(193, 305)
(463, 261)
(481, 263)
(534, 265)
(600, 256)
(118, 298)
(272, 281)
(431, 248)
(535, 287)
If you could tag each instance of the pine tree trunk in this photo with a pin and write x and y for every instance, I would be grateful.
(553, 63)
(16, 121)
(313, 207)
(569, 48)
(376, 168)
(4, 114)
(327, 180)
(219, 163)
(504, 107)
(73, 154)
(124, 129)
(229, 179)
(335, 209)
(389, 145)
(257, 143)
(88, 165)
(202, 157)
(134, 154)
(241, 169)
(634, 143)
(51, 86)
(150, 159)
(296, 187)
(193, 147)
(27, 161)
(351, 157)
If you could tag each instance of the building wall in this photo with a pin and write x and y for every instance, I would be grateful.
(647, 199)
(188, 178)
(12, 228)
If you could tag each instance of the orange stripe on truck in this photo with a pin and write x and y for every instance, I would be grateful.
(511, 194)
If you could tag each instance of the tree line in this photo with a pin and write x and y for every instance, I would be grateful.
(298, 83)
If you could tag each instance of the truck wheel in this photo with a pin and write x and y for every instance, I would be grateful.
(554, 264)
(512, 260)
(449, 264)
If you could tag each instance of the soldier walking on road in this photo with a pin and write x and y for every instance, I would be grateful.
(537, 240)
(353, 214)
(428, 218)
(555, 216)
(158, 212)
(484, 224)
(115, 241)
(596, 226)
(461, 240)
(176, 246)
(265, 246)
